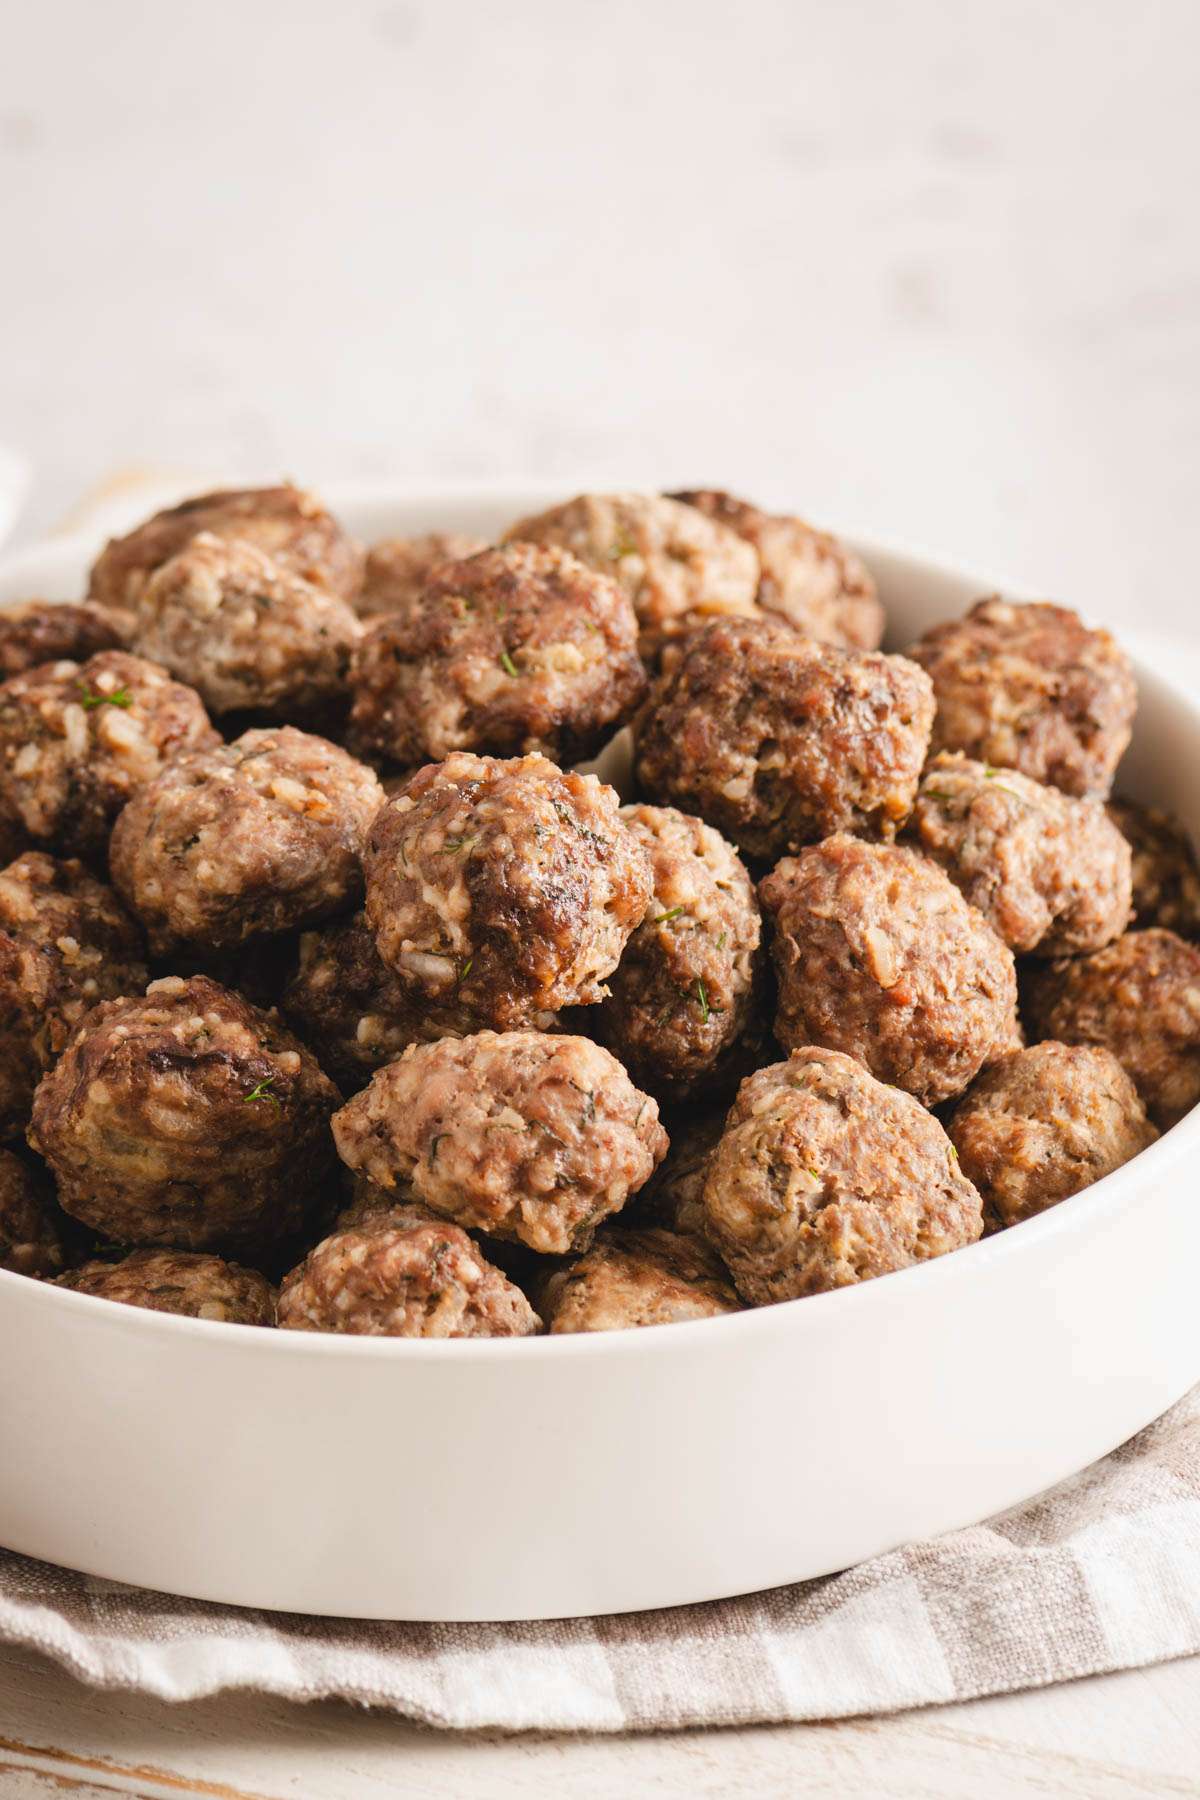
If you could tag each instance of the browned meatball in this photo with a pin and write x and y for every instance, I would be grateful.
(255, 837)
(672, 1198)
(516, 1133)
(247, 632)
(1140, 998)
(1030, 687)
(398, 568)
(677, 566)
(1166, 877)
(880, 956)
(503, 891)
(65, 943)
(689, 987)
(1045, 1122)
(631, 1278)
(401, 1272)
(187, 1118)
(514, 650)
(346, 1003)
(778, 741)
(77, 740)
(184, 1282)
(39, 631)
(825, 1177)
(1050, 873)
(31, 1241)
(289, 525)
(806, 576)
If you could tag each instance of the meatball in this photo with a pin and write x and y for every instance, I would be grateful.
(39, 631)
(398, 568)
(65, 943)
(806, 576)
(1030, 687)
(672, 1198)
(677, 566)
(255, 837)
(290, 526)
(77, 740)
(401, 1272)
(631, 1278)
(1045, 1122)
(825, 1177)
(179, 1281)
(247, 632)
(515, 1133)
(31, 1241)
(514, 650)
(1139, 998)
(1049, 873)
(187, 1118)
(879, 955)
(344, 1000)
(500, 892)
(1166, 877)
(778, 741)
(688, 988)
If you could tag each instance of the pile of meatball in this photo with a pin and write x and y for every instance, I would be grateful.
(337, 996)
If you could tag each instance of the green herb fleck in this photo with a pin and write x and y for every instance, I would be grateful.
(507, 664)
(665, 918)
(260, 1092)
(466, 969)
(954, 1152)
(433, 1148)
(622, 546)
(702, 1002)
(456, 844)
(938, 794)
(721, 940)
(89, 699)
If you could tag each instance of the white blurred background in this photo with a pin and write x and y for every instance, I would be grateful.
(930, 268)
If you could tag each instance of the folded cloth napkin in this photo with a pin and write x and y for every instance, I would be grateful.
(1101, 1573)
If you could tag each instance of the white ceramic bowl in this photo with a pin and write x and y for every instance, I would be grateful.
(562, 1476)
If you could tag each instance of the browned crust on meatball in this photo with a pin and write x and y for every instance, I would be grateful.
(1030, 687)
(187, 1118)
(879, 955)
(33, 632)
(1140, 998)
(398, 568)
(286, 523)
(500, 892)
(779, 741)
(346, 1003)
(184, 1282)
(514, 650)
(1049, 872)
(1166, 876)
(825, 1177)
(259, 836)
(635, 1278)
(1043, 1124)
(677, 566)
(807, 576)
(31, 1240)
(247, 632)
(685, 1013)
(516, 1133)
(402, 1272)
(65, 943)
(78, 740)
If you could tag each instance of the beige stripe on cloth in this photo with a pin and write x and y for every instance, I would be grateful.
(1102, 1573)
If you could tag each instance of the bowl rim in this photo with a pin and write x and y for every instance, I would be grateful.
(1112, 1194)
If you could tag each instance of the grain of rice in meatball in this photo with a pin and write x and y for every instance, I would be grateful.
(1049, 872)
(31, 1239)
(515, 650)
(184, 1282)
(38, 631)
(826, 1177)
(1030, 687)
(678, 567)
(398, 568)
(401, 1272)
(635, 1278)
(778, 741)
(259, 836)
(810, 579)
(1166, 877)
(187, 1118)
(78, 740)
(1139, 998)
(879, 956)
(1043, 1124)
(345, 1002)
(518, 1134)
(502, 891)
